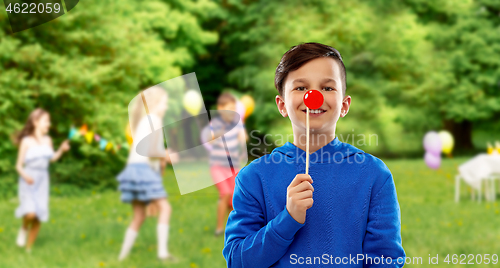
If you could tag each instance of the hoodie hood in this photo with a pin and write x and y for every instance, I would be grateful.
(333, 152)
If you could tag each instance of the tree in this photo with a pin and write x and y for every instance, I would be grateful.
(85, 67)
(467, 50)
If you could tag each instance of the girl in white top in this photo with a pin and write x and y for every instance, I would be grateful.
(140, 183)
(35, 153)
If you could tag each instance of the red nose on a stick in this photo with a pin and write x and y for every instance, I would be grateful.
(313, 99)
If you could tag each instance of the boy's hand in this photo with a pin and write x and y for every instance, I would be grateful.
(299, 197)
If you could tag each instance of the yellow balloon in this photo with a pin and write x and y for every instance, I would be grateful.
(249, 104)
(489, 149)
(446, 141)
(192, 102)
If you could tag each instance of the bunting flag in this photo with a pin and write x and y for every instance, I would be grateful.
(72, 132)
(90, 136)
(103, 143)
(109, 146)
(83, 129)
(125, 146)
(128, 135)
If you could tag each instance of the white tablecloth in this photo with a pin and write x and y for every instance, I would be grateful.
(479, 168)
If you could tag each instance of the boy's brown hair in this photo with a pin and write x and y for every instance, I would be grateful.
(299, 55)
(225, 98)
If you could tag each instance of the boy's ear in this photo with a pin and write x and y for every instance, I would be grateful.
(346, 103)
(280, 102)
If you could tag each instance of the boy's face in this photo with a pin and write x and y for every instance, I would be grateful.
(322, 74)
(229, 106)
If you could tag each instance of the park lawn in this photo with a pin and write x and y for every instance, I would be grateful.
(88, 231)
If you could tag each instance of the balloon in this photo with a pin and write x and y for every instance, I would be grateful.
(205, 133)
(249, 105)
(489, 149)
(313, 99)
(433, 161)
(89, 136)
(446, 141)
(192, 102)
(432, 143)
(128, 134)
(103, 143)
(83, 129)
(240, 109)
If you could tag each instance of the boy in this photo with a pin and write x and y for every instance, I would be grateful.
(223, 174)
(350, 217)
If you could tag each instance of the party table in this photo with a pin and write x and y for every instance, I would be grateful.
(483, 167)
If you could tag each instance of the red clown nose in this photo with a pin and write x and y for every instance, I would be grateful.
(313, 99)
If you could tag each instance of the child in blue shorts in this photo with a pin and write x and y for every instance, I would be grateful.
(345, 212)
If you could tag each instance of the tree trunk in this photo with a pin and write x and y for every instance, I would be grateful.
(462, 133)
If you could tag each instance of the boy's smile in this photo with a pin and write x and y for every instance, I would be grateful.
(322, 74)
(315, 113)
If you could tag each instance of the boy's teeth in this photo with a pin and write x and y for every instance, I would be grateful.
(315, 111)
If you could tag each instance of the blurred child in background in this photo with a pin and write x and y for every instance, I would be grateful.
(140, 182)
(35, 152)
(223, 175)
(151, 209)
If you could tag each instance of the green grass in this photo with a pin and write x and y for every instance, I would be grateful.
(88, 231)
(432, 223)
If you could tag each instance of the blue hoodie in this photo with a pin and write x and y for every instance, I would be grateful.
(355, 219)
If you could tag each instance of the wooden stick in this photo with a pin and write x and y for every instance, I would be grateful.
(307, 140)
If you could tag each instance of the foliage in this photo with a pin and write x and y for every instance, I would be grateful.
(412, 66)
(85, 67)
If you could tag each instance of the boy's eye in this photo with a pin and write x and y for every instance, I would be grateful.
(328, 89)
(300, 88)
